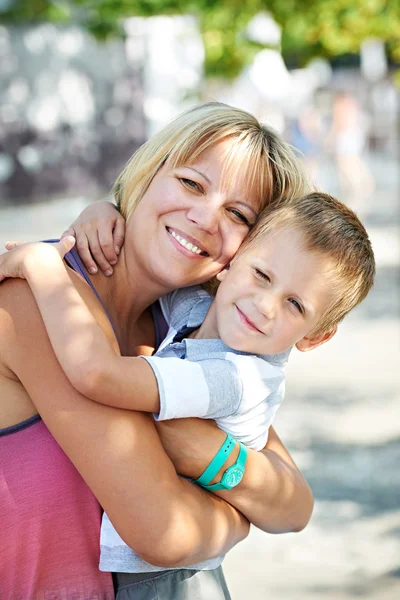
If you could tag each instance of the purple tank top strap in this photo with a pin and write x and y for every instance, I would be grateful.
(73, 260)
(160, 324)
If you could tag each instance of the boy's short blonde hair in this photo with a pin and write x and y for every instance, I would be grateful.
(332, 230)
(257, 150)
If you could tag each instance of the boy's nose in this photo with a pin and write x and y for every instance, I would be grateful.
(266, 305)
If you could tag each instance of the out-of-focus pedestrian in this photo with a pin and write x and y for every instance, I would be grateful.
(350, 134)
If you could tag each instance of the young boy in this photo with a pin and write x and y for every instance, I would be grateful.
(303, 267)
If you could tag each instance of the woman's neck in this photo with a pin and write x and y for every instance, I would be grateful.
(127, 296)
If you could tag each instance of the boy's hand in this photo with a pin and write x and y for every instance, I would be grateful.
(14, 262)
(99, 231)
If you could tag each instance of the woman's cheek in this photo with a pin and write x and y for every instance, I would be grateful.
(234, 241)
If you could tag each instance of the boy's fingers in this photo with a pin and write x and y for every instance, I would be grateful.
(106, 242)
(65, 245)
(119, 234)
(11, 245)
(69, 231)
(82, 246)
(97, 253)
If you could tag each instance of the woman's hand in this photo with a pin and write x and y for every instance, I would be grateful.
(13, 264)
(99, 231)
(273, 494)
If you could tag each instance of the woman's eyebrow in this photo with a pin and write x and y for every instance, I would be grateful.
(245, 204)
(199, 173)
(255, 213)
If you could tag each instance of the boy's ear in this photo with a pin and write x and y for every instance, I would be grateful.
(313, 341)
(222, 274)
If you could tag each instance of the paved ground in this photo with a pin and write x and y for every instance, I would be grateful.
(340, 421)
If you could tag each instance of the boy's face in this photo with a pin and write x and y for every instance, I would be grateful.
(272, 296)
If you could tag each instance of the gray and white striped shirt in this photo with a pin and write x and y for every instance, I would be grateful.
(203, 378)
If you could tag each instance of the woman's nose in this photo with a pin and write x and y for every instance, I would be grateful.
(205, 215)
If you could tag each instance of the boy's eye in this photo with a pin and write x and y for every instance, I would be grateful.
(262, 275)
(191, 184)
(297, 305)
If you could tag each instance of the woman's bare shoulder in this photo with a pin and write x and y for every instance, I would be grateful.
(25, 351)
(15, 301)
(95, 306)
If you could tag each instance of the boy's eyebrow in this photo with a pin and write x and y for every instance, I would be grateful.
(245, 204)
(307, 306)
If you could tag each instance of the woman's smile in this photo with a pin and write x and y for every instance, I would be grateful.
(186, 242)
(194, 220)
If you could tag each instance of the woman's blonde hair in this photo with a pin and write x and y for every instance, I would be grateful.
(267, 160)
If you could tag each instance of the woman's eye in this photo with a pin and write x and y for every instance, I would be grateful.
(297, 305)
(191, 184)
(240, 216)
(262, 275)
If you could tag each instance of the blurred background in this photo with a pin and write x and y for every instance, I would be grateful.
(83, 84)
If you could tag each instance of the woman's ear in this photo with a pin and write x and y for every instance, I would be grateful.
(313, 341)
(222, 274)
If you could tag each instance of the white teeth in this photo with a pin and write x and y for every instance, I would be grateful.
(185, 243)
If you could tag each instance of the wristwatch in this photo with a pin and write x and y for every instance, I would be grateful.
(232, 476)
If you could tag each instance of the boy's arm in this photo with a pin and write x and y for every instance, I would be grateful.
(273, 494)
(167, 520)
(99, 231)
(90, 361)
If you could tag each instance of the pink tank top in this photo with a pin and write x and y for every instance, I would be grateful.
(49, 521)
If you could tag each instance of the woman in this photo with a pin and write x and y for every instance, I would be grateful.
(204, 178)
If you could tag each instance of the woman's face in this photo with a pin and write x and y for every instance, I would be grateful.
(190, 223)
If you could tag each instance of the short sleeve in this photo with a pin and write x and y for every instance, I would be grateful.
(178, 305)
(209, 388)
(263, 391)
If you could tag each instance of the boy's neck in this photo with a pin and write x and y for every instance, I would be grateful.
(208, 330)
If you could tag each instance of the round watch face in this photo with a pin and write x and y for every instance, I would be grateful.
(232, 477)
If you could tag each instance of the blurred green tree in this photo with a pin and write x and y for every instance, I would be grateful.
(310, 28)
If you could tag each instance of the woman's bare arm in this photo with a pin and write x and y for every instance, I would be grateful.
(167, 520)
(273, 494)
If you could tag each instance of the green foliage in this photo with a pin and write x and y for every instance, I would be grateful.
(309, 27)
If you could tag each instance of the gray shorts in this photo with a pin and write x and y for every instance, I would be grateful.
(174, 584)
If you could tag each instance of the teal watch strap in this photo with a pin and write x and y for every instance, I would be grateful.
(217, 462)
(233, 475)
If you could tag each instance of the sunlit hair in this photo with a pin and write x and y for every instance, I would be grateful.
(257, 150)
(332, 230)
